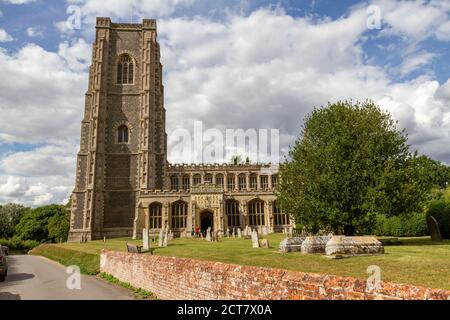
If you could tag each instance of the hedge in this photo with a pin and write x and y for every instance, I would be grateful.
(413, 225)
(16, 244)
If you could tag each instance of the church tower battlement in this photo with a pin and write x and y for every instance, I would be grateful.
(123, 143)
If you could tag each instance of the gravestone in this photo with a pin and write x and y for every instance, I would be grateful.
(255, 239)
(293, 244)
(208, 234)
(228, 233)
(315, 244)
(233, 234)
(433, 227)
(239, 233)
(290, 231)
(165, 238)
(264, 231)
(170, 235)
(160, 238)
(145, 239)
(342, 246)
(265, 243)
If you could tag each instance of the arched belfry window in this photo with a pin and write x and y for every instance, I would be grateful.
(125, 70)
(123, 134)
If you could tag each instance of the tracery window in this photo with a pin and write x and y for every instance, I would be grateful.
(256, 213)
(125, 70)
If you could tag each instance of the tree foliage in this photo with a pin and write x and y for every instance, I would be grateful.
(10, 215)
(58, 226)
(34, 225)
(350, 164)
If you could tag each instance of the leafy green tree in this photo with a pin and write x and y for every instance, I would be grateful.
(34, 224)
(350, 164)
(435, 172)
(10, 215)
(58, 226)
(236, 160)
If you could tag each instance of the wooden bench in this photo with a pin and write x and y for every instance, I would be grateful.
(132, 248)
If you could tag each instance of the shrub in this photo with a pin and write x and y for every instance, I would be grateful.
(440, 210)
(16, 244)
(34, 224)
(413, 225)
(58, 227)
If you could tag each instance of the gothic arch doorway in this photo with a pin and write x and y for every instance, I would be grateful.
(206, 221)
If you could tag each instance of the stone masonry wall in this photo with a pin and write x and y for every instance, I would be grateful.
(187, 279)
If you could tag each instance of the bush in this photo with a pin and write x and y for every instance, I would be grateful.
(413, 225)
(440, 210)
(34, 224)
(10, 215)
(19, 245)
(58, 227)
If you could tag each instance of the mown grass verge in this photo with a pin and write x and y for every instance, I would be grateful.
(88, 263)
(138, 292)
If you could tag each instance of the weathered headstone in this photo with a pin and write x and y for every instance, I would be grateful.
(342, 246)
(265, 243)
(233, 234)
(315, 244)
(255, 239)
(293, 244)
(145, 239)
(228, 233)
(433, 227)
(290, 231)
(165, 238)
(170, 235)
(208, 234)
(264, 230)
(160, 238)
(239, 233)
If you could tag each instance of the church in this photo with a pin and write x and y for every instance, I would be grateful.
(124, 182)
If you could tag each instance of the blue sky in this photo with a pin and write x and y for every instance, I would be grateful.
(276, 59)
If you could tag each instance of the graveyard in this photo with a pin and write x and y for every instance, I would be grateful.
(417, 261)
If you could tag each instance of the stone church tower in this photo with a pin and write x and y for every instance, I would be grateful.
(123, 141)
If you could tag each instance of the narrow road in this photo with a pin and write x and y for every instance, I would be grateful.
(37, 278)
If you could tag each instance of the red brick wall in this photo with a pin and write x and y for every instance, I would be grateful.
(188, 279)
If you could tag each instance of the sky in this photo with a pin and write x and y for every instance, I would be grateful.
(228, 63)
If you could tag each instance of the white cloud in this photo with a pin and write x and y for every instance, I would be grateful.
(34, 32)
(40, 176)
(42, 101)
(18, 1)
(4, 36)
(416, 61)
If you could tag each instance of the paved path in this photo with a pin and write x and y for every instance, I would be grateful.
(37, 278)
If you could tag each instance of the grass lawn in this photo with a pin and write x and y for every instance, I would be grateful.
(418, 261)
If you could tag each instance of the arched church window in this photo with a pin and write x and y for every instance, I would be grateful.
(155, 214)
(233, 214)
(179, 212)
(125, 70)
(123, 134)
(174, 185)
(256, 213)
